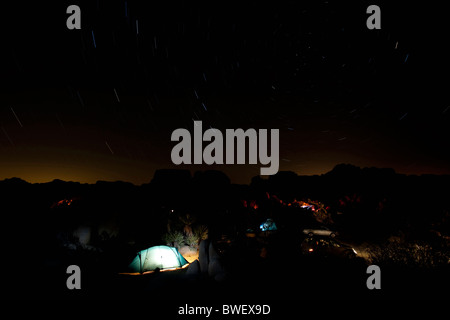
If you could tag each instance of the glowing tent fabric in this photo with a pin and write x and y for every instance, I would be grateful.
(158, 257)
(268, 225)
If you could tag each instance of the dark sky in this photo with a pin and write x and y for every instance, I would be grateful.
(100, 103)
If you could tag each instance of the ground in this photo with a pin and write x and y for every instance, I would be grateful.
(281, 273)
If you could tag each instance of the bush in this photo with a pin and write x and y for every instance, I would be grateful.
(178, 239)
(201, 232)
(192, 240)
(174, 239)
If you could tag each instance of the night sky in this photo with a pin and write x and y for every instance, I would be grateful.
(101, 103)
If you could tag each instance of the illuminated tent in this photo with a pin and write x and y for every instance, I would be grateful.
(268, 225)
(158, 257)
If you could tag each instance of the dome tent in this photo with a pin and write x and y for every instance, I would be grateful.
(157, 257)
(268, 225)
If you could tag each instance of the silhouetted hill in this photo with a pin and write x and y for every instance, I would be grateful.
(371, 200)
(46, 220)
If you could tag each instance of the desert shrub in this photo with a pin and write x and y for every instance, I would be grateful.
(174, 239)
(192, 240)
(178, 239)
(201, 232)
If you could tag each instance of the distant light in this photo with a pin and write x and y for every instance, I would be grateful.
(268, 225)
(311, 250)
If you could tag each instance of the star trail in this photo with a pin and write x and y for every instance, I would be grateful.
(100, 103)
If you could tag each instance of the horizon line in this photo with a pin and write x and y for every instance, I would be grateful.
(264, 177)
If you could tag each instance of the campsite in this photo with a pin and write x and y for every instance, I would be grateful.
(217, 240)
(217, 151)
